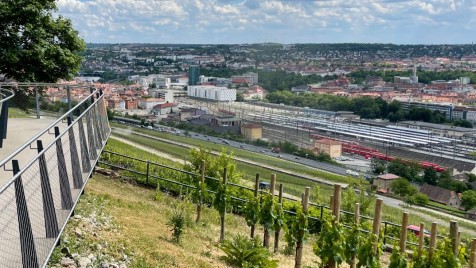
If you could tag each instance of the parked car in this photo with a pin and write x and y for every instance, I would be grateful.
(264, 185)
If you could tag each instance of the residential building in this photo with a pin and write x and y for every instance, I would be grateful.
(251, 131)
(148, 103)
(331, 147)
(441, 195)
(163, 109)
(193, 75)
(384, 181)
(131, 104)
(212, 93)
(188, 113)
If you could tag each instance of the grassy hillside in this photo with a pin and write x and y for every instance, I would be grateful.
(133, 230)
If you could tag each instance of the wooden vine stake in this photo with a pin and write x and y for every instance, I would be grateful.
(421, 238)
(266, 230)
(353, 263)
(377, 223)
(336, 201)
(434, 233)
(252, 234)
(200, 196)
(454, 236)
(403, 232)
(278, 229)
(222, 216)
(472, 256)
(300, 243)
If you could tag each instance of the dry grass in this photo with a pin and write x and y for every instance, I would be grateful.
(144, 231)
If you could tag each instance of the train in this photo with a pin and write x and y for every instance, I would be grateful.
(367, 152)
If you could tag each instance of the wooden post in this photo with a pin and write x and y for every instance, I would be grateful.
(271, 192)
(377, 222)
(299, 244)
(222, 216)
(421, 237)
(403, 232)
(252, 234)
(200, 196)
(278, 229)
(434, 232)
(353, 263)
(472, 256)
(454, 236)
(336, 202)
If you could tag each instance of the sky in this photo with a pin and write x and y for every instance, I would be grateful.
(281, 21)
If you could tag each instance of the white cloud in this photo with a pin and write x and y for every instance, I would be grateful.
(252, 20)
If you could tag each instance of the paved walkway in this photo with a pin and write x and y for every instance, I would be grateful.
(19, 131)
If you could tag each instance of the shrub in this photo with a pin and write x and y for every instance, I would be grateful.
(177, 221)
(245, 252)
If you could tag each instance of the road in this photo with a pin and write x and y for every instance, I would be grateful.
(239, 159)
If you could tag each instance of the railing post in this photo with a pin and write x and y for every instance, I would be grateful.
(75, 165)
(51, 223)
(27, 243)
(83, 145)
(3, 122)
(68, 95)
(384, 232)
(147, 173)
(66, 197)
(37, 102)
(91, 139)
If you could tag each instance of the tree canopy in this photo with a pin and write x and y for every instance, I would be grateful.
(35, 44)
(468, 200)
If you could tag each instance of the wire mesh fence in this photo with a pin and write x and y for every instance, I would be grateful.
(39, 197)
(43, 99)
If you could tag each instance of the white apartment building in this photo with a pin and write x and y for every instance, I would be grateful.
(212, 93)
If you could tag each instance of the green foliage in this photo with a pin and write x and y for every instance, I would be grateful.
(330, 246)
(268, 212)
(365, 198)
(402, 187)
(366, 255)
(468, 200)
(407, 170)
(296, 229)
(222, 198)
(353, 238)
(246, 253)
(252, 211)
(378, 166)
(420, 199)
(430, 176)
(177, 222)
(398, 259)
(36, 43)
(462, 123)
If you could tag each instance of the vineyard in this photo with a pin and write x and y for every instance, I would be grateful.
(342, 236)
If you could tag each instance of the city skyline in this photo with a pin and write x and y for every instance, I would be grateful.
(285, 21)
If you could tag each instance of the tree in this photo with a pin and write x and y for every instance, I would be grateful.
(402, 187)
(36, 45)
(420, 199)
(377, 166)
(468, 200)
(430, 176)
(239, 97)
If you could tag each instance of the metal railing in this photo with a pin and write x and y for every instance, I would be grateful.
(40, 196)
(149, 178)
(5, 97)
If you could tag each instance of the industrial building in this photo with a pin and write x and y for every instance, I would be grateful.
(212, 93)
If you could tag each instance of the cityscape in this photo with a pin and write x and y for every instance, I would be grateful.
(237, 133)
